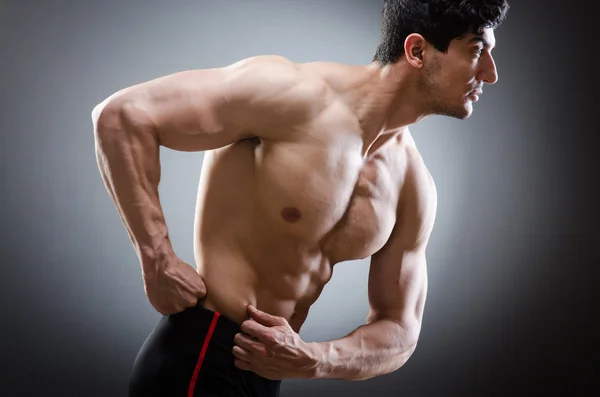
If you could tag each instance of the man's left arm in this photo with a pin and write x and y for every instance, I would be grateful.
(397, 292)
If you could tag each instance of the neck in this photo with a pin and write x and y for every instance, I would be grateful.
(388, 102)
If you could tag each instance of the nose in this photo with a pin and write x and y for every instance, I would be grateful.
(489, 73)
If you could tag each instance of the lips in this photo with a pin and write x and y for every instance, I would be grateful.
(474, 95)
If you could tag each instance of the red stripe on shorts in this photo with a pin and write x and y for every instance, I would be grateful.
(211, 329)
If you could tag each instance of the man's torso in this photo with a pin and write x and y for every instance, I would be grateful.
(274, 216)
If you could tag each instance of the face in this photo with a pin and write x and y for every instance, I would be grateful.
(452, 81)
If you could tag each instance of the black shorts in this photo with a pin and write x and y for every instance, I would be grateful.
(189, 354)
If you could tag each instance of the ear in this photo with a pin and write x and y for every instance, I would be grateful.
(414, 46)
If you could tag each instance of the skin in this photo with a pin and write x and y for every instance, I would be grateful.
(306, 166)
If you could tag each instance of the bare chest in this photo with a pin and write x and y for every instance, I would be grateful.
(329, 195)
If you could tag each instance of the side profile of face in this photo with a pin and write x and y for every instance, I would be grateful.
(452, 81)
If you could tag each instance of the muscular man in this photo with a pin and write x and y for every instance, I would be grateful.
(305, 166)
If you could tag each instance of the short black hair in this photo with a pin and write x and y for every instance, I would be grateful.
(438, 21)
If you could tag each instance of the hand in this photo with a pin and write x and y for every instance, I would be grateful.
(271, 348)
(175, 287)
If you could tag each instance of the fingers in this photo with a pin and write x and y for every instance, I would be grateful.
(265, 318)
(249, 351)
(244, 341)
(241, 354)
(188, 303)
(256, 330)
(244, 356)
(249, 345)
(201, 288)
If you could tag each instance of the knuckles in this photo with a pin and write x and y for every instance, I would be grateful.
(270, 338)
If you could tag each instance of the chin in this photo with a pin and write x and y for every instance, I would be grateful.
(459, 112)
(464, 112)
(467, 112)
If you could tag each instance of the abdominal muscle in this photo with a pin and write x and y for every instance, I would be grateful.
(234, 281)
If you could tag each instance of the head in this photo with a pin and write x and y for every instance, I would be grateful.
(448, 45)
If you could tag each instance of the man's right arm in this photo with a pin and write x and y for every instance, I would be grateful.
(187, 111)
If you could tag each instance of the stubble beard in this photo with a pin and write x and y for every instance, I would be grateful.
(429, 87)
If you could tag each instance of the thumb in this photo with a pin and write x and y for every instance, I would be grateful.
(201, 288)
(265, 318)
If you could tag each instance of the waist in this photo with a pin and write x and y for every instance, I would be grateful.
(233, 282)
(232, 302)
(202, 315)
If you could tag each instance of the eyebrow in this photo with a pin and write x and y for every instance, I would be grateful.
(485, 43)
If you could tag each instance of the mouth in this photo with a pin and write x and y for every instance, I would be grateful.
(474, 95)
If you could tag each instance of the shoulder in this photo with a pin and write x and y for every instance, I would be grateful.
(417, 205)
(280, 72)
(277, 83)
(278, 67)
(338, 77)
(417, 174)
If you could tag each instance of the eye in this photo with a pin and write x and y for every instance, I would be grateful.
(477, 52)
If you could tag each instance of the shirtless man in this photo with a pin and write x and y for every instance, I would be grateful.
(306, 166)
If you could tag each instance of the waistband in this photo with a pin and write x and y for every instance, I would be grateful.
(198, 315)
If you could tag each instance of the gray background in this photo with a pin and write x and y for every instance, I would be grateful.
(510, 290)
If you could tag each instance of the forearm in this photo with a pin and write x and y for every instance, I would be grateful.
(371, 350)
(128, 160)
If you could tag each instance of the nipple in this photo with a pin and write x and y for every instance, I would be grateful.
(291, 214)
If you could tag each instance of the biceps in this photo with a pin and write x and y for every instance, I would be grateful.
(188, 110)
(398, 289)
(211, 108)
